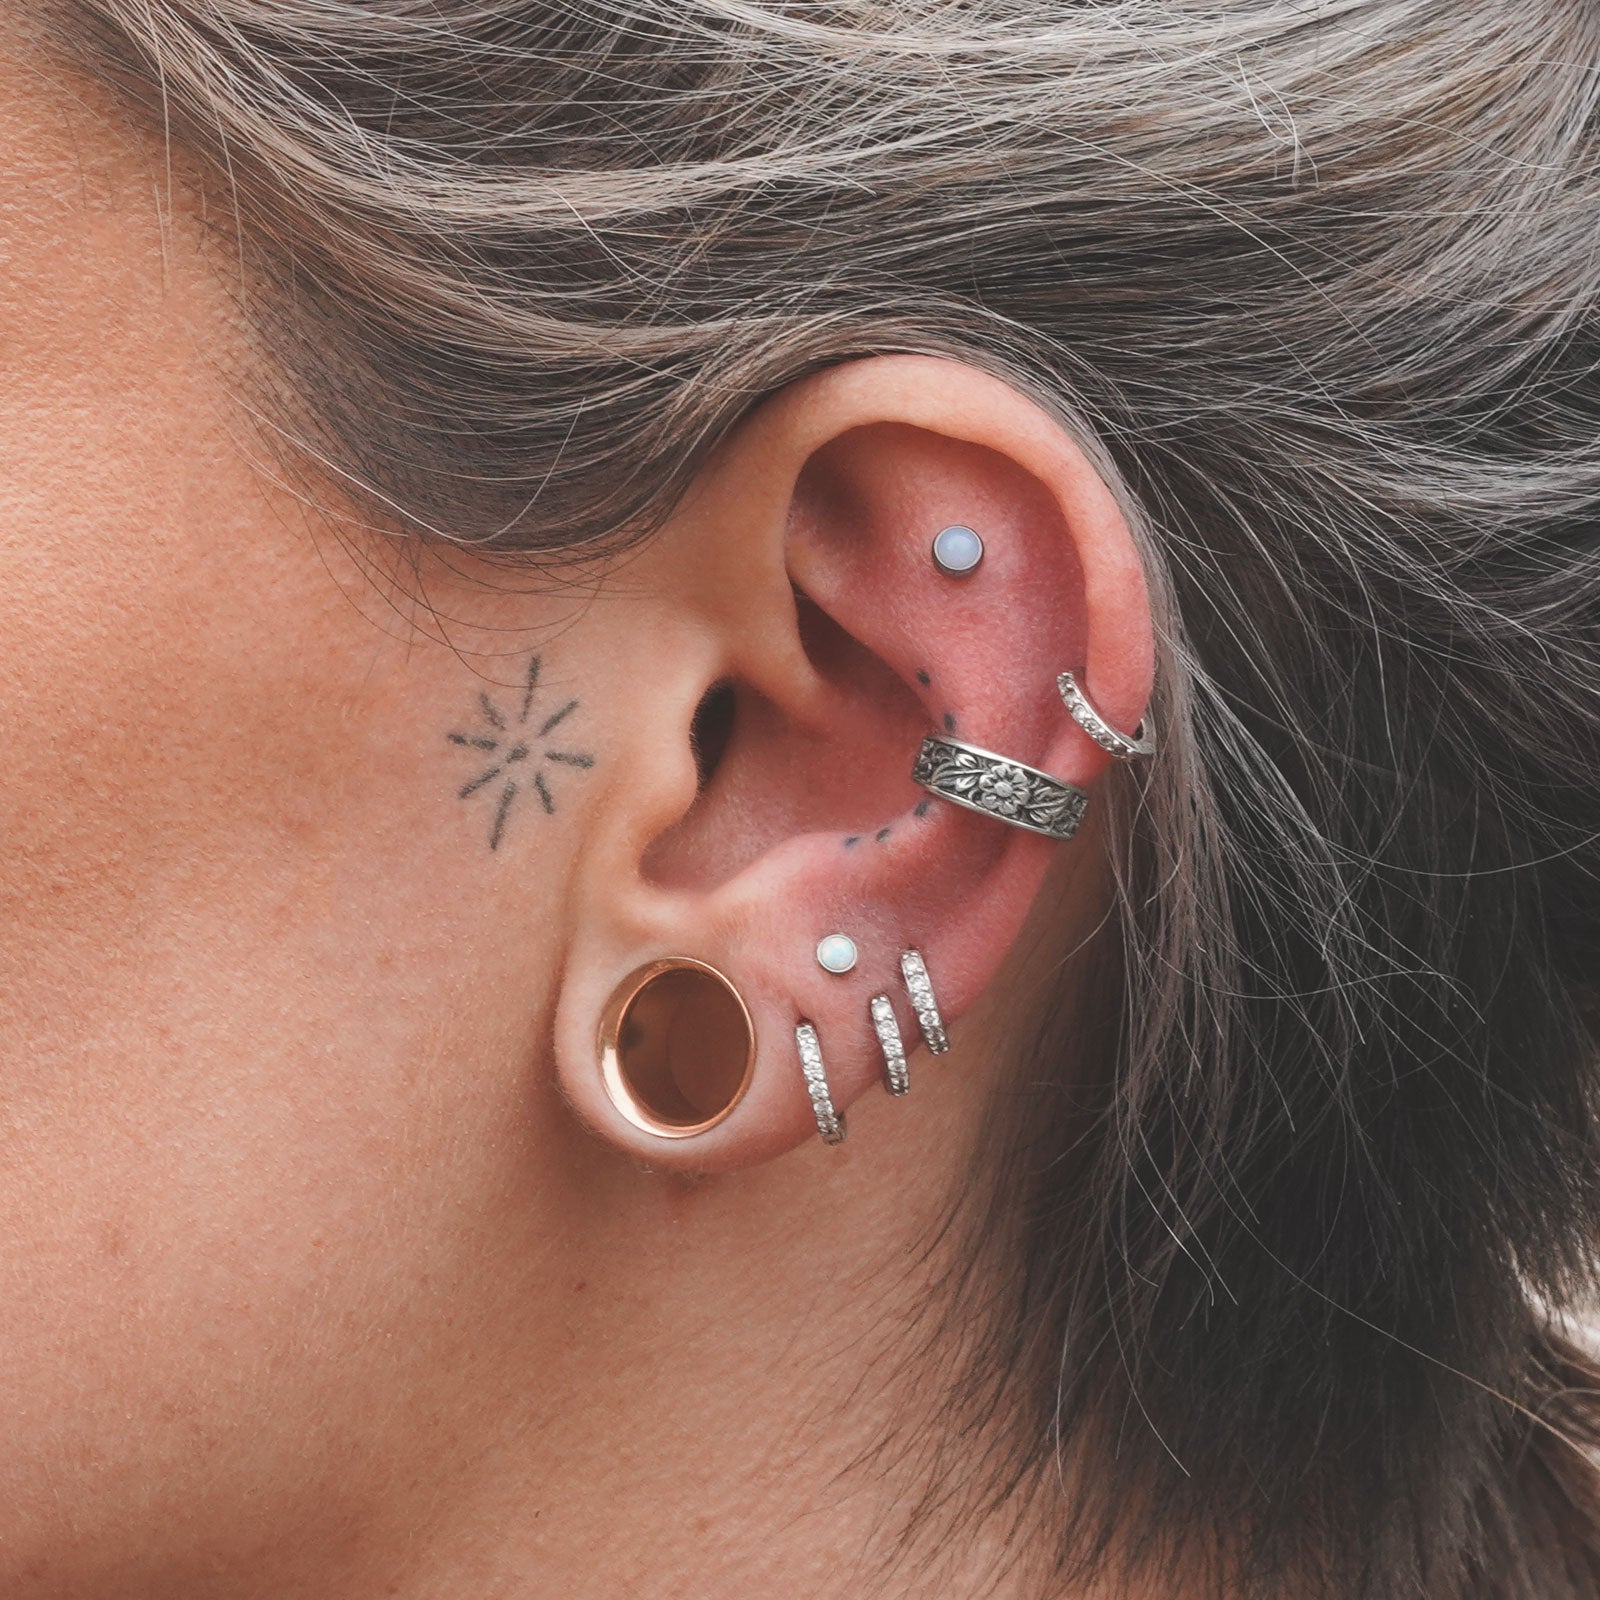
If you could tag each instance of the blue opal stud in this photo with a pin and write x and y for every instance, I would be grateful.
(837, 953)
(957, 551)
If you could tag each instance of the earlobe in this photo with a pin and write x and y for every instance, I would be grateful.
(918, 718)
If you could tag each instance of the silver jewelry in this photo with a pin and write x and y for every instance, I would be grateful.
(887, 1028)
(957, 551)
(830, 1123)
(914, 970)
(836, 953)
(997, 786)
(1124, 746)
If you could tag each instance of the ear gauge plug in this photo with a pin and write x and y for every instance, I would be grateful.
(677, 1047)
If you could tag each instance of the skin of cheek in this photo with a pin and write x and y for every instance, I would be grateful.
(270, 1007)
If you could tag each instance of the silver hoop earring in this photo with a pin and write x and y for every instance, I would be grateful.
(918, 985)
(1124, 746)
(996, 786)
(896, 1075)
(830, 1123)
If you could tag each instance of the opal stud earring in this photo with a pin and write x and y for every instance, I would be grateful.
(836, 953)
(957, 551)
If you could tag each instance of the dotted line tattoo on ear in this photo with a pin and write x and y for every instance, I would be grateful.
(518, 753)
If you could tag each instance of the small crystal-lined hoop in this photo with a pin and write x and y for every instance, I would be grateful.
(896, 1075)
(830, 1123)
(1009, 791)
(918, 986)
(1124, 746)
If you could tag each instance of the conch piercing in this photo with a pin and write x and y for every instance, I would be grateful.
(915, 972)
(1124, 746)
(968, 775)
(896, 1076)
(957, 551)
(830, 1123)
(677, 1047)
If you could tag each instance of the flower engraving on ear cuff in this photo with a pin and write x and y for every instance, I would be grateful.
(517, 753)
(1003, 789)
(999, 787)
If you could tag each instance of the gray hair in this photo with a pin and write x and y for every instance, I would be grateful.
(1317, 288)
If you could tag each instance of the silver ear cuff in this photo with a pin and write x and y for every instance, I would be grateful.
(896, 1076)
(915, 972)
(968, 775)
(830, 1123)
(1124, 746)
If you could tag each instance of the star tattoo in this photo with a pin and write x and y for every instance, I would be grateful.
(519, 757)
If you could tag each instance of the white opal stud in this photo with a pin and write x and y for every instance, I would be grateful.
(836, 953)
(957, 551)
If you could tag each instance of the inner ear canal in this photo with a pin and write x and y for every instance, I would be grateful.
(764, 779)
(711, 729)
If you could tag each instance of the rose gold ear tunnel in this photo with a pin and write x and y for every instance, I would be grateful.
(677, 1047)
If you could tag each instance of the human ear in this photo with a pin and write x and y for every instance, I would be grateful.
(792, 642)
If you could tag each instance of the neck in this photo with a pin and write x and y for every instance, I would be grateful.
(720, 1389)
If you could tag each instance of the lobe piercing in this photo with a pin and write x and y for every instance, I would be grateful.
(1125, 747)
(830, 1123)
(915, 972)
(836, 953)
(896, 1076)
(957, 551)
(677, 1047)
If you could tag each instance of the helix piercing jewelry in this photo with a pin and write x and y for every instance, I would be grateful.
(957, 551)
(896, 1075)
(1010, 791)
(677, 1047)
(836, 953)
(830, 1123)
(1124, 746)
(915, 972)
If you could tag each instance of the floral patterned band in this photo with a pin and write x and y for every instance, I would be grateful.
(998, 787)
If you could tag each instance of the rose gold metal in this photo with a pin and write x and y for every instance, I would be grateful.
(625, 1094)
